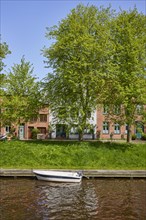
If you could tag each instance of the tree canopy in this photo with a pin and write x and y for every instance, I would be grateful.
(21, 100)
(4, 51)
(97, 56)
(128, 76)
(77, 57)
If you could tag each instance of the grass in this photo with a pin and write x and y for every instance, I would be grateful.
(71, 155)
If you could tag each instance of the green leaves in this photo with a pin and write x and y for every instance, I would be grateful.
(21, 99)
(97, 56)
(128, 75)
(4, 50)
(77, 57)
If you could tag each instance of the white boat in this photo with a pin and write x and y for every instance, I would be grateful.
(58, 176)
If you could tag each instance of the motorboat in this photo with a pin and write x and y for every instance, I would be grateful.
(58, 176)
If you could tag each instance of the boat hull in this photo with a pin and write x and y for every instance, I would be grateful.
(55, 176)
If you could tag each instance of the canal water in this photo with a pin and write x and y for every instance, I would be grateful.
(92, 199)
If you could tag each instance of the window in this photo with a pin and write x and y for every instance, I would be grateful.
(33, 119)
(105, 109)
(126, 129)
(116, 128)
(139, 109)
(43, 118)
(74, 130)
(105, 128)
(87, 131)
(42, 130)
(117, 109)
(8, 129)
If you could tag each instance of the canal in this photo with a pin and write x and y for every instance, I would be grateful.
(92, 199)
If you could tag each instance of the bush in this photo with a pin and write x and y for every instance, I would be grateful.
(133, 136)
(122, 136)
(143, 137)
(34, 131)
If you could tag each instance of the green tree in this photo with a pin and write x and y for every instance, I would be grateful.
(22, 98)
(4, 51)
(78, 57)
(126, 84)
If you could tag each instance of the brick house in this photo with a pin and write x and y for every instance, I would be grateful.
(107, 128)
(102, 127)
(41, 123)
(24, 131)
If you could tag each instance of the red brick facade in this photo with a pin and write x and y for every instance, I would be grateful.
(107, 129)
(104, 128)
(24, 131)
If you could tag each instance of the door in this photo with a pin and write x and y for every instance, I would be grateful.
(60, 131)
(30, 132)
(139, 130)
(21, 132)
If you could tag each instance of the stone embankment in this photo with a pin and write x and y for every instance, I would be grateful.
(86, 173)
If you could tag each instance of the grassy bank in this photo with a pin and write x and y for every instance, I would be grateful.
(71, 155)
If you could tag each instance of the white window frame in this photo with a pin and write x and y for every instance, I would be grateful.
(105, 128)
(139, 109)
(116, 128)
(73, 130)
(7, 129)
(117, 109)
(126, 128)
(105, 109)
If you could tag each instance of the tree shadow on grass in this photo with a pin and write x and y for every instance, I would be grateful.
(94, 144)
(54, 142)
(111, 145)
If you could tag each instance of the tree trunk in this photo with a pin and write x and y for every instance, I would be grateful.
(50, 135)
(128, 133)
(80, 136)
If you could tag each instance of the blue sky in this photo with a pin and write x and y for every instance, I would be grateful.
(23, 26)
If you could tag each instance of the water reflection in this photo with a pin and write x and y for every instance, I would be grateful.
(111, 199)
(75, 201)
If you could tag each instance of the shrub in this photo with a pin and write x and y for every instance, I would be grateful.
(34, 131)
(122, 136)
(143, 137)
(133, 136)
